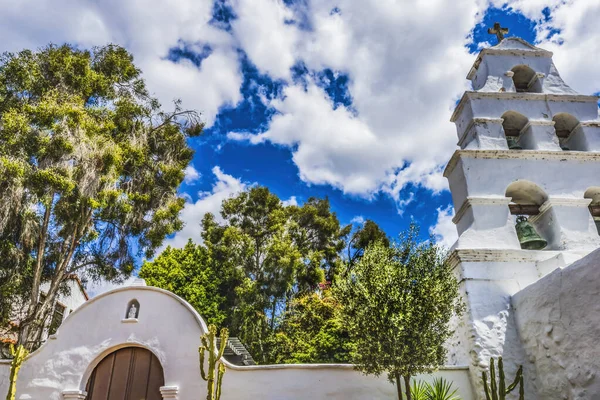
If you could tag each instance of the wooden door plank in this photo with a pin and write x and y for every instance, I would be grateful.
(101, 381)
(120, 374)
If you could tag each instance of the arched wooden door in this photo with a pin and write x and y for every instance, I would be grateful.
(131, 373)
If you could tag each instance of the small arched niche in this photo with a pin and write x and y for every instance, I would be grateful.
(133, 309)
(565, 125)
(594, 194)
(526, 79)
(526, 200)
(513, 123)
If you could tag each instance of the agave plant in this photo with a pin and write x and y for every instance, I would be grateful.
(440, 389)
(419, 390)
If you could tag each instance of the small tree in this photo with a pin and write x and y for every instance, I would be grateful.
(397, 302)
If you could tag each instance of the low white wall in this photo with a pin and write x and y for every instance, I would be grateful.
(295, 382)
(171, 329)
(558, 319)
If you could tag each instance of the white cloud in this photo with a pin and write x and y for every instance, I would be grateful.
(208, 202)
(444, 229)
(406, 62)
(191, 175)
(403, 96)
(148, 30)
(358, 219)
(292, 201)
(263, 33)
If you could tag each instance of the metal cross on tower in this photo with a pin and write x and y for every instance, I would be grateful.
(498, 31)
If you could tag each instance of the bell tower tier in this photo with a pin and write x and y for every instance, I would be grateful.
(525, 185)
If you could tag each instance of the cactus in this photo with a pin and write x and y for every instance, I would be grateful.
(498, 391)
(18, 357)
(209, 344)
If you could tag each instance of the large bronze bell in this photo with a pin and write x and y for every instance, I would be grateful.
(528, 237)
(512, 142)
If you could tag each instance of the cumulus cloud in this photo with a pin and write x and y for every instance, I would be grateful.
(358, 219)
(148, 30)
(191, 175)
(406, 62)
(444, 229)
(292, 201)
(208, 202)
(397, 130)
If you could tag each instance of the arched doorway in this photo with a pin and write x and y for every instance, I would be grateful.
(131, 373)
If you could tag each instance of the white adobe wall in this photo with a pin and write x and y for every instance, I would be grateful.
(171, 329)
(489, 278)
(558, 319)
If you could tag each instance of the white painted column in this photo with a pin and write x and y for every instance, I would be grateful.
(74, 395)
(539, 135)
(484, 133)
(567, 223)
(484, 222)
(591, 135)
(169, 392)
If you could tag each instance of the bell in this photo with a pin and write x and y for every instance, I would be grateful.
(528, 237)
(512, 143)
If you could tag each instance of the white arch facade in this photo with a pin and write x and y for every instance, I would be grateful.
(170, 328)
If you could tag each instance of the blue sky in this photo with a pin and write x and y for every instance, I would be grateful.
(271, 165)
(340, 98)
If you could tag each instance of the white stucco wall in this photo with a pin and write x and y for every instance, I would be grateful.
(171, 329)
(488, 279)
(558, 319)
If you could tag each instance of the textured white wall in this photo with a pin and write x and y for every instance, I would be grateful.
(171, 329)
(558, 319)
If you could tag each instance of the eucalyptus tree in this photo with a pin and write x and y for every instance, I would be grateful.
(281, 252)
(89, 170)
(397, 303)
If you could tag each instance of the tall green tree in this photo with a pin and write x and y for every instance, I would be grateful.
(89, 170)
(397, 302)
(282, 251)
(191, 273)
(365, 235)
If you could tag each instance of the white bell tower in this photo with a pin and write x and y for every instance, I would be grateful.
(529, 146)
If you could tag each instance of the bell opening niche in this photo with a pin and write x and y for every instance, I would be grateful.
(526, 201)
(513, 124)
(526, 79)
(565, 126)
(594, 194)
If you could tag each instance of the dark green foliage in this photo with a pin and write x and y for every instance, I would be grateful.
(498, 391)
(397, 303)
(312, 332)
(264, 273)
(282, 253)
(362, 238)
(89, 171)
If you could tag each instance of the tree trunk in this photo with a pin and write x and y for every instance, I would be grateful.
(25, 329)
(407, 387)
(398, 387)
